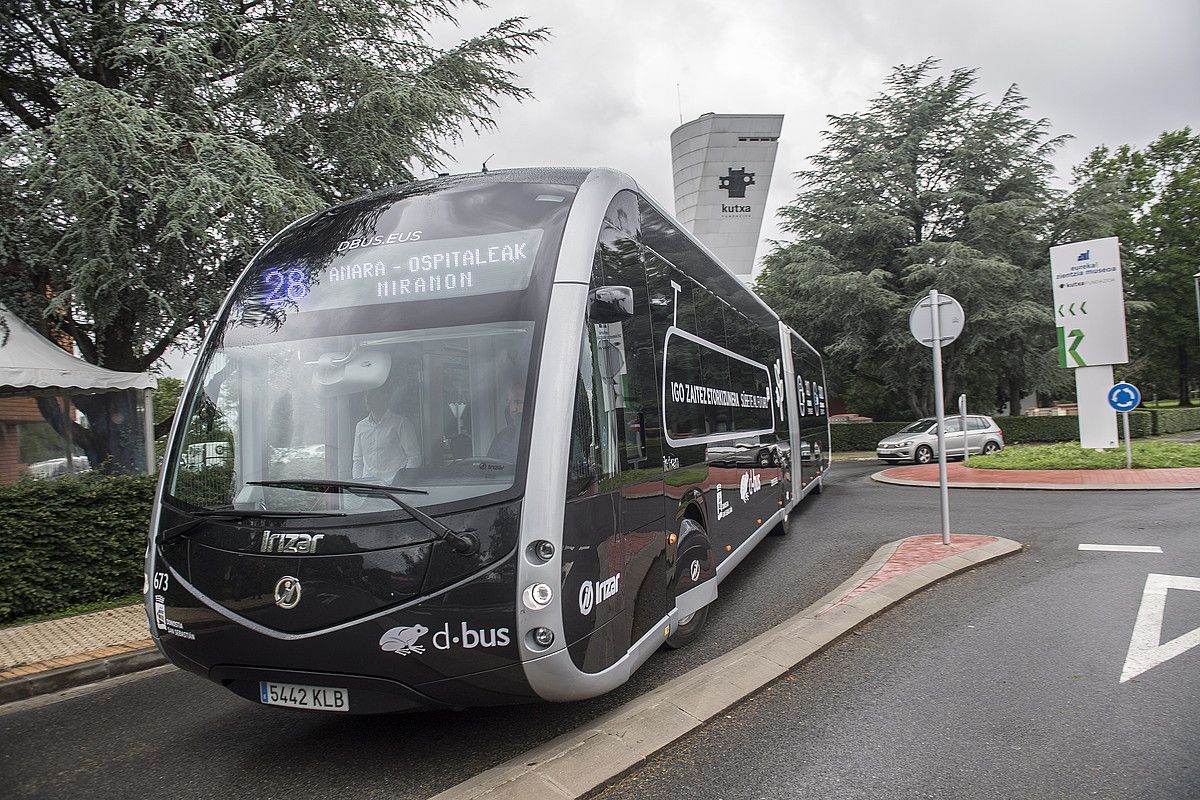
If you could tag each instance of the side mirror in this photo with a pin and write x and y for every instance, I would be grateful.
(610, 304)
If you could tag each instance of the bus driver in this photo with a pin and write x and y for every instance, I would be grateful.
(384, 441)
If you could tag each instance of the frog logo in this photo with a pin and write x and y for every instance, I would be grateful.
(403, 640)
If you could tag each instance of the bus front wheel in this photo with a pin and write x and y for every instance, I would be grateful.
(694, 553)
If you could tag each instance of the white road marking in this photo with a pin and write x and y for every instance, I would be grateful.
(1145, 649)
(1122, 548)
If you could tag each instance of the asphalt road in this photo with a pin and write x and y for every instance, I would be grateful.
(1003, 682)
(858, 717)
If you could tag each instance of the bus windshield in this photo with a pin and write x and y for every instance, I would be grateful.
(386, 342)
(440, 410)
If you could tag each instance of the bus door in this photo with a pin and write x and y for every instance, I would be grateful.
(791, 397)
(810, 402)
(616, 520)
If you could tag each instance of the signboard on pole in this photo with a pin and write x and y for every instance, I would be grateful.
(1089, 315)
(1089, 303)
(935, 320)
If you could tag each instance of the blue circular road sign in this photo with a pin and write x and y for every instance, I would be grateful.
(1124, 397)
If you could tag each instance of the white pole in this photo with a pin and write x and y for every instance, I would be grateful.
(69, 433)
(1128, 446)
(962, 413)
(148, 429)
(940, 407)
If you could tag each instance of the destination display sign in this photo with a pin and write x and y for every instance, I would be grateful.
(403, 267)
(711, 394)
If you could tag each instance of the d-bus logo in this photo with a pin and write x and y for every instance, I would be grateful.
(403, 640)
(736, 181)
(287, 592)
(593, 593)
(751, 483)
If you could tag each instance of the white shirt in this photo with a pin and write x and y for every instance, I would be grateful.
(381, 448)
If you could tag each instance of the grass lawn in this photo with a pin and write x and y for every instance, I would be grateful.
(855, 455)
(1069, 455)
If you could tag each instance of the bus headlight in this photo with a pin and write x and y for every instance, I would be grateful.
(542, 550)
(537, 596)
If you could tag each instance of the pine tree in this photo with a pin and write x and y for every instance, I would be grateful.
(147, 150)
(932, 186)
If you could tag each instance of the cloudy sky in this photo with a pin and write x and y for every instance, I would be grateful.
(1105, 71)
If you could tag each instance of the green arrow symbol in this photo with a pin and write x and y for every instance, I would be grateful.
(1077, 336)
(1083, 307)
(1060, 312)
(1065, 353)
(1072, 309)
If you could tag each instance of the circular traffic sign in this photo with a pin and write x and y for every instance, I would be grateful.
(1124, 396)
(950, 320)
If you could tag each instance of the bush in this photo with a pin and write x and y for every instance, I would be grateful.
(70, 541)
(1174, 420)
(1017, 430)
(851, 436)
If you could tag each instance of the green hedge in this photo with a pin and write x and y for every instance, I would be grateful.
(1174, 420)
(852, 436)
(1017, 430)
(70, 541)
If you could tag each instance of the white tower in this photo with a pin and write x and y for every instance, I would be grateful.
(722, 165)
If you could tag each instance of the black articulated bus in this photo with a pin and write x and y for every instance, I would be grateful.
(483, 439)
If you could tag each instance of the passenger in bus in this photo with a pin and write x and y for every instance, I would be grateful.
(384, 441)
(504, 446)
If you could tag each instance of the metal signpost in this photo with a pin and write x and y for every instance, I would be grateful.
(1124, 397)
(935, 320)
(962, 414)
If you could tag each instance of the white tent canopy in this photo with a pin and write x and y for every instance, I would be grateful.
(29, 364)
(32, 365)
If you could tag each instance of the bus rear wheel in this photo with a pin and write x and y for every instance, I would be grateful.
(686, 630)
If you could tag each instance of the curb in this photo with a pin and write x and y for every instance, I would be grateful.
(593, 756)
(883, 477)
(56, 680)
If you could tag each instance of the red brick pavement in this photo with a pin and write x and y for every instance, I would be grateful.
(914, 553)
(957, 473)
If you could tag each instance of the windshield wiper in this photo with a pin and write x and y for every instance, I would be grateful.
(321, 483)
(241, 513)
(461, 541)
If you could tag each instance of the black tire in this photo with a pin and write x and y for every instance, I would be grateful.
(923, 455)
(693, 547)
(782, 528)
(989, 448)
(820, 487)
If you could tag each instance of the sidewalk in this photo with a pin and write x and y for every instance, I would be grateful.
(963, 477)
(49, 656)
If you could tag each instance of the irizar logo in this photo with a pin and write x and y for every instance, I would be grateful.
(290, 542)
(593, 593)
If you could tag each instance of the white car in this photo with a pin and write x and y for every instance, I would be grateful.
(918, 442)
